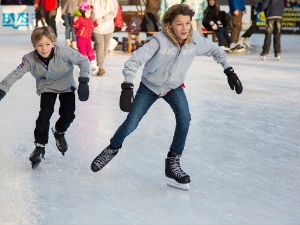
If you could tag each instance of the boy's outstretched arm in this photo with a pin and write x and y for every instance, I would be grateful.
(208, 48)
(12, 77)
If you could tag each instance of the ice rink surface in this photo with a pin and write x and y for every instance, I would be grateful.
(242, 151)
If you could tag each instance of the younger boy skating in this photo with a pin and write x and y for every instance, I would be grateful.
(52, 67)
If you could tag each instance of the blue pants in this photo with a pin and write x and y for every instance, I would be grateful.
(221, 34)
(68, 18)
(143, 100)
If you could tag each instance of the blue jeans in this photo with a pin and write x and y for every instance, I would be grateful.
(221, 34)
(68, 18)
(143, 100)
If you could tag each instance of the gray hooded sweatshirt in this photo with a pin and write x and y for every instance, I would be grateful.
(166, 63)
(58, 78)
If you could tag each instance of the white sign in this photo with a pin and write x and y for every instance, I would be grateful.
(17, 19)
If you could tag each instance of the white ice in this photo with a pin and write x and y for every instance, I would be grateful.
(242, 151)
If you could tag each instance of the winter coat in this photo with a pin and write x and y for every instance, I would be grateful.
(69, 6)
(84, 27)
(48, 4)
(210, 14)
(236, 5)
(198, 6)
(166, 63)
(105, 11)
(118, 21)
(58, 78)
(272, 8)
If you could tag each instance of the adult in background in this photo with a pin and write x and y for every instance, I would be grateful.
(50, 11)
(164, 5)
(68, 8)
(198, 6)
(105, 12)
(237, 8)
(273, 11)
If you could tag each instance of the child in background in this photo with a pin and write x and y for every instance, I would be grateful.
(52, 67)
(68, 8)
(84, 25)
(167, 57)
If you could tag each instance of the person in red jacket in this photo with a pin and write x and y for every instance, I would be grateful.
(50, 11)
(119, 20)
(84, 25)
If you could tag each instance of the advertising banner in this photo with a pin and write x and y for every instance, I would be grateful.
(290, 21)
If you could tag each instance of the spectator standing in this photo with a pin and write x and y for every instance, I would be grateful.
(50, 11)
(273, 10)
(164, 5)
(198, 6)
(39, 16)
(68, 8)
(105, 12)
(237, 8)
(246, 36)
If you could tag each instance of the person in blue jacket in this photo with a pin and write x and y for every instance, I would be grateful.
(237, 9)
(167, 57)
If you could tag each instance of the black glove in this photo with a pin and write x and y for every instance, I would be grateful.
(126, 98)
(2, 94)
(233, 80)
(83, 88)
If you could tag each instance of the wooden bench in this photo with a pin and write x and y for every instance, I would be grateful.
(134, 37)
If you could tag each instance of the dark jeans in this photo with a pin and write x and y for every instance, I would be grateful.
(273, 27)
(251, 30)
(68, 18)
(66, 112)
(221, 34)
(143, 100)
(50, 19)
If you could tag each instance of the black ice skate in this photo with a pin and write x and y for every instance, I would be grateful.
(103, 158)
(176, 176)
(61, 142)
(37, 155)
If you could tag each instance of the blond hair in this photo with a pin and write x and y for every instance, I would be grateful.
(40, 32)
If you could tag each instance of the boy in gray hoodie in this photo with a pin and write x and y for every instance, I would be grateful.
(167, 57)
(52, 67)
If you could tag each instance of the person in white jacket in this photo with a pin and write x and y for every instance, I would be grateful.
(104, 13)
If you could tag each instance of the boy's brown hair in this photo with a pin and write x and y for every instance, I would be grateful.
(39, 32)
(177, 9)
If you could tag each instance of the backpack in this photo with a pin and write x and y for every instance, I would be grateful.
(134, 24)
(149, 23)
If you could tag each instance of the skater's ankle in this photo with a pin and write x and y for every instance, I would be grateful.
(172, 154)
(114, 148)
(39, 145)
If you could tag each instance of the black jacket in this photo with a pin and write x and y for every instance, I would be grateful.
(210, 14)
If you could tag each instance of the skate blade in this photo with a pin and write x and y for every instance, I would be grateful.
(174, 184)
